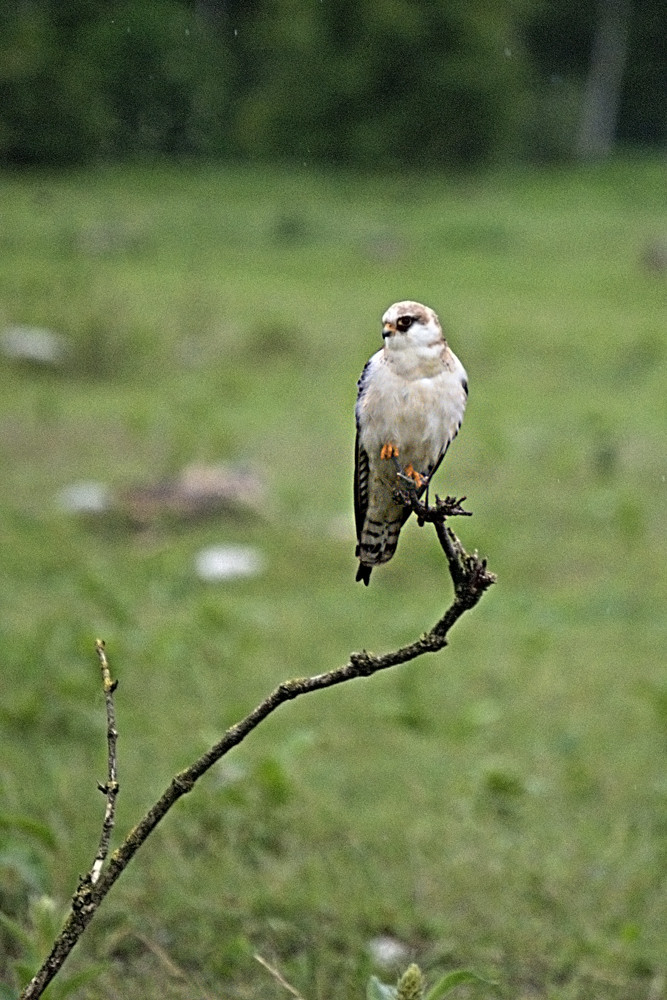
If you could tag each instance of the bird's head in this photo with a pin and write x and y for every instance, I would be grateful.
(410, 324)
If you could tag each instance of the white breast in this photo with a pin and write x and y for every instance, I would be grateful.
(420, 414)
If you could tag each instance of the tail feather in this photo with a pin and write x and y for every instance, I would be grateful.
(377, 544)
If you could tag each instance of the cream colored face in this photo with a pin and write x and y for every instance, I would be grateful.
(413, 319)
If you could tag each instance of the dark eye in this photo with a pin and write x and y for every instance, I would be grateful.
(404, 323)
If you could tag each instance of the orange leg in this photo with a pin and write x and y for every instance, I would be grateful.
(389, 450)
(416, 476)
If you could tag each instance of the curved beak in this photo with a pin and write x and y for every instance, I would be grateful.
(387, 330)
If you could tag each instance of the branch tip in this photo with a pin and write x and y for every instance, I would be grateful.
(442, 509)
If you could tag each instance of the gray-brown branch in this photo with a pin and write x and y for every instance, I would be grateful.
(110, 788)
(470, 578)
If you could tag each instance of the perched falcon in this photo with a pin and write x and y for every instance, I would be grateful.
(410, 405)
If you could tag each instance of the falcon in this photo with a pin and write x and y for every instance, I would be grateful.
(410, 404)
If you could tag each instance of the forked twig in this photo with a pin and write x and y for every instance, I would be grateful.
(470, 578)
(449, 507)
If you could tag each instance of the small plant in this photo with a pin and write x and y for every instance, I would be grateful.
(411, 985)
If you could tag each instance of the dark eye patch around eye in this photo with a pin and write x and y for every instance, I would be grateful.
(404, 322)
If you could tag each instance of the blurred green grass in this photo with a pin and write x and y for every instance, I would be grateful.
(501, 805)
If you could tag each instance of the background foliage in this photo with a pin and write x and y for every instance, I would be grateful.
(210, 289)
(500, 806)
(371, 83)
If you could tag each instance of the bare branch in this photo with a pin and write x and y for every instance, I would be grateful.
(110, 789)
(449, 507)
(470, 577)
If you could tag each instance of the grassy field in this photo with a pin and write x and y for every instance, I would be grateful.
(501, 806)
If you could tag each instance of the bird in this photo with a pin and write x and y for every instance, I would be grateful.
(411, 399)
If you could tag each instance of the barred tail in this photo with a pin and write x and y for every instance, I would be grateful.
(377, 544)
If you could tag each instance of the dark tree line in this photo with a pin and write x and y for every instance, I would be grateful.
(366, 83)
